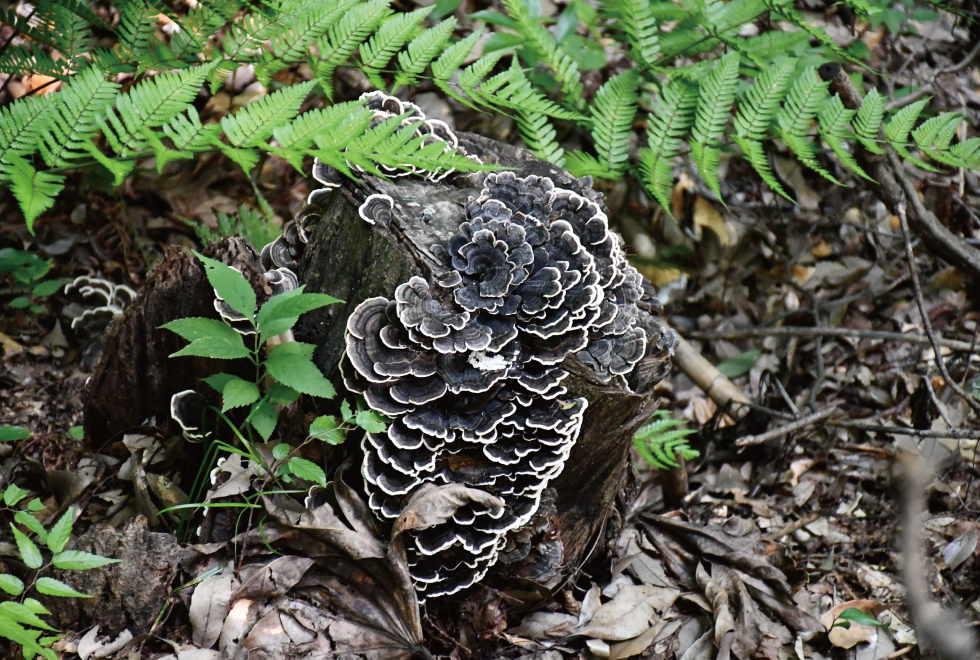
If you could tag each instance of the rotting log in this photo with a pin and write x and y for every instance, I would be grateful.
(352, 260)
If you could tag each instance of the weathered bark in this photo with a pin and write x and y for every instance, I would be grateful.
(134, 378)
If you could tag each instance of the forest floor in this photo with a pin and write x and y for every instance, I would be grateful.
(824, 498)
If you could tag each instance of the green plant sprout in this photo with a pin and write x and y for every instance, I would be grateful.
(657, 441)
(38, 549)
(28, 270)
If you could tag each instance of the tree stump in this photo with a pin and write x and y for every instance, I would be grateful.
(352, 260)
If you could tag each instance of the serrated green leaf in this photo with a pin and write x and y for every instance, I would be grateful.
(291, 364)
(327, 429)
(12, 584)
(307, 470)
(263, 418)
(370, 421)
(80, 561)
(60, 532)
(14, 494)
(281, 451)
(238, 393)
(231, 285)
(30, 522)
(29, 553)
(51, 587)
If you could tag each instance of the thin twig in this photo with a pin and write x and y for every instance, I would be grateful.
(917, 288)
(908, 98)
(962, 64)
(798, 331)
(956, 434)
(789, 428)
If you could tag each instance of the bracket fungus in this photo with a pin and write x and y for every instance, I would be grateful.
(466, 364)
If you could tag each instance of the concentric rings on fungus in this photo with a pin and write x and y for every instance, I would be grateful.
(466, 365)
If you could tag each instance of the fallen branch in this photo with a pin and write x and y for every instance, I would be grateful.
(796, 331)
(937, 628)
(706, 376)
(957, 434)
(747, 440)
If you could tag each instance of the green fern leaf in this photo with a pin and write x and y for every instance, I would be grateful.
(199, 25)
(835, 122)
(35, 191)
(637, 20)
(542, 43)
(898, 128)
(474, 74)
(757, 109)
(152, 103)
(968, 152)
(715, 98)
(43, 34)
(927, 133)
(188, 133)
(245, 38)
(612, 119)
(293, 44)
(341, 40)
(756, 155)
(20, 128)
(659, 441)
(539, 136)
(256, 122)
(337, 123)
(421, 51)
(665, 132)
(868, 121)
(74, 33)
(449, 62)
(31, 59)
(73, 119)
(512, 89)
(136, 26)
(795, 119)
(582, 164)
(391, 36)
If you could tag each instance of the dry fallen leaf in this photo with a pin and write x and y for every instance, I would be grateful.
(706, 215)
(845, 638)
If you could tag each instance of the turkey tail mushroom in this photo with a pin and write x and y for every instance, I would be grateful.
(466, 366)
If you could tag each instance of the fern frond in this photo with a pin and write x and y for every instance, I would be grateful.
(612, 119)
(638, 22)
(255, 122)
(74, 33)
(31, 59)
(539, 136)
(453, 57)
(658, 441)
(73, 119)
(582, 164)
(246, 37)
(541, 42)
(755, 153)
(350, 31)
(136, 25)
(835, 122)
(868, 121)
(293, 44)
(35, 191)
(665, 132)
(967, 152)
(189, 134)
(83, 11)
(715, 98)
(20, 128)
(421, 51)
(199, 25)
(43, 34)
(786, 10)
(152, 103)
(337, 121)
(796, 118)
(934, 136)
(390, 37)
(898, 128)
(759, 106)
(512, 89)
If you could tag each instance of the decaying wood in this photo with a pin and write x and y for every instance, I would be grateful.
(134, 379)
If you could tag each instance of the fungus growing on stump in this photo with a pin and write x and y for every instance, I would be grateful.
(467, 366)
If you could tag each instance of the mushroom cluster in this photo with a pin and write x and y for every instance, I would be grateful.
(467, 365)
